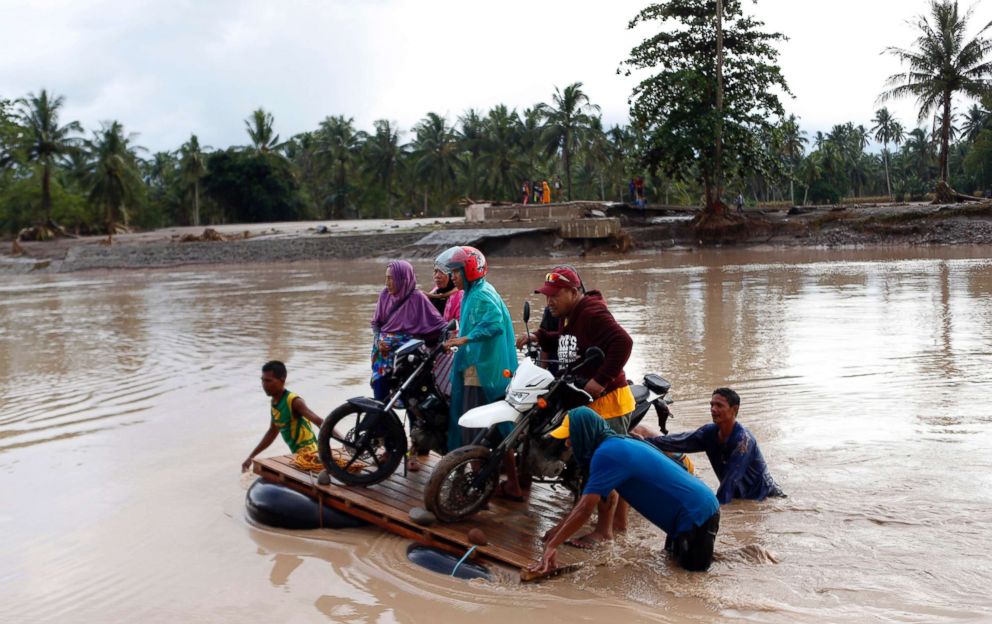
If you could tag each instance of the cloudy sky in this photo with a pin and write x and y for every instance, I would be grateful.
(168, 69)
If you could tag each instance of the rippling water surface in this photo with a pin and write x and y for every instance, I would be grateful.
(129, 399)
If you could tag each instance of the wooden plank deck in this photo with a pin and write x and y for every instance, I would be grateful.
(512, 529)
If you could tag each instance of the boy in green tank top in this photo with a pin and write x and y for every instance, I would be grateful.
(289, 415)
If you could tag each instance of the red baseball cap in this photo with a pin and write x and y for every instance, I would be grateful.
(558, 279)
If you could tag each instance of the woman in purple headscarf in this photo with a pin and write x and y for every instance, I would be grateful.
(403, 312)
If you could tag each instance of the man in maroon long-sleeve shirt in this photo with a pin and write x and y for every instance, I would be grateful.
(584, 321)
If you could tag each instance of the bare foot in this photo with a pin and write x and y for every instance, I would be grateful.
(589, 540)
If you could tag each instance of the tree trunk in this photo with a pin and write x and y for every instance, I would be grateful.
(792, 185)
(46, 192)
(196, 202)
(568, 167)
(885, 160)
(945, 135)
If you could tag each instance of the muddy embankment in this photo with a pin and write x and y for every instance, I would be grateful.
(650, 231)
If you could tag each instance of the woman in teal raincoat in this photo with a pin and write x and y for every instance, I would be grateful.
(486, 348)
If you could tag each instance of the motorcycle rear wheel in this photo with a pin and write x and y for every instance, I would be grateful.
(450, 495)
(357, 455)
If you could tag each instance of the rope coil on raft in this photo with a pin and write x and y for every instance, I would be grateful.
(308, 460)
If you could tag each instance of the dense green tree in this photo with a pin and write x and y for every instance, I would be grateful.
(677, 105)
(45, 140)
(9, 135)
(566, 121)
(942, 63)
(252, 187)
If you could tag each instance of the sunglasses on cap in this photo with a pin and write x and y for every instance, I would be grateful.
(554, 278)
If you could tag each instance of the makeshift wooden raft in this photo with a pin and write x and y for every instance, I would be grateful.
(513, 530)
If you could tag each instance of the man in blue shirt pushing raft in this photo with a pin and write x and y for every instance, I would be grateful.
(655, 485)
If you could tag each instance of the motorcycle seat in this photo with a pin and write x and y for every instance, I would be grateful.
(640, 393)
(657, 383)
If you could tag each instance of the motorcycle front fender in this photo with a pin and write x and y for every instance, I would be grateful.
(488, 415)
(376, 413)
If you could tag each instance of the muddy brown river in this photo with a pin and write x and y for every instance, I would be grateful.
(129, 399)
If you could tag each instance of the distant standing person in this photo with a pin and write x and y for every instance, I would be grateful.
(546, 196)
(290, 416)
(538, 191)
(639, 191)
(739, 200)
(557, 188)
(731, 448)
(526, 191)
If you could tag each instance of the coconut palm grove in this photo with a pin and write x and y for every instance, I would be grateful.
(706, 122)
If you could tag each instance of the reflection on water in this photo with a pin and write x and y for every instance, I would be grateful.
(128, 400)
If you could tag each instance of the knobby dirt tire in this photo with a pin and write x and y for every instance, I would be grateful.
(448, 496)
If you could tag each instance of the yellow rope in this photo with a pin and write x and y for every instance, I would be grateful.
(308, 459)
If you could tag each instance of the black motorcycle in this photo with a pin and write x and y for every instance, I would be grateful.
(363, 441)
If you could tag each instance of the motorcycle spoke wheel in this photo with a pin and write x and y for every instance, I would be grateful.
(353, 453)
(450, 494)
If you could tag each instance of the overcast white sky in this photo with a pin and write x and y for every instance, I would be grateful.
(170, 68)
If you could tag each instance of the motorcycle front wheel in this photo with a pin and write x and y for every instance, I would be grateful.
(450, 495)
(358, 447)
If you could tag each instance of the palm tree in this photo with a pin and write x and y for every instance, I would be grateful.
(974, 122)
(259, 128)
(193, 166)
(500, 156)
(919, 151)
(942, 63)
(115, 180)
(621, 145)
(435, 153)
(887, 130)
(565, 120)
(45, 140)
(597, 148)
(338, 142)
(791, 148)
(382, 158)
(810, 170)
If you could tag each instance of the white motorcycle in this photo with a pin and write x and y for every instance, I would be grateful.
(536, 402)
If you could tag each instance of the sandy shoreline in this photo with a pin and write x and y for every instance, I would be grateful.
(860, 226)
